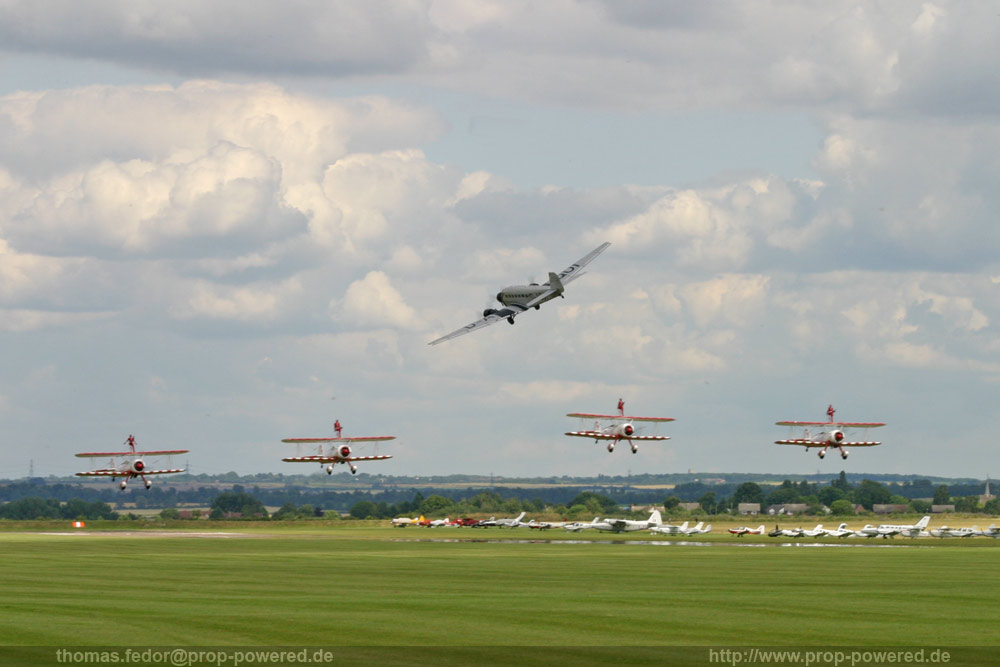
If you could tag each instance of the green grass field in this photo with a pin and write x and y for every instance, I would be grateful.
(379, 586)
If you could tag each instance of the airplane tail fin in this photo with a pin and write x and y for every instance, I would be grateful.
(923, 522)
(698, 525)
(760, 528)
(555, 283)
(520, 516)
(655, 518)
(708, 528)
(684, 525)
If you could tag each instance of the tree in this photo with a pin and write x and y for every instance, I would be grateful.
(365, 509)
(841, 482)
(436, 505)
(920, 506)
(784, 494)
(748, 492)
(237, 503)
(671, 503)
(868, 493)
(941, 496)
(170, 513)
(707, 502)
(831, 494)
(842, 507)
(595, 502)
(967, 504)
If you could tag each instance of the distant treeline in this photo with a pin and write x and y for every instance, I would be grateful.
(712, 498)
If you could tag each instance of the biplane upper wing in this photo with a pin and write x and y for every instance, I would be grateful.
(833, 424)
(367, 438)
(163, 452)
(587, 415)
(334, 459)
(599, 435)
(119, 473)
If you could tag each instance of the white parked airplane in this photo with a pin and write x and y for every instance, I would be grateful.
(577, 526)
(945, 531)
(840, 531)
(906, 530)
(518, 298)
(545, 525)
(699, 529)
(511, 523)
(818, 531)
(832, 435)
(629, 525)
(743, 530)
(667, 529)
(621, 427)
(992, 531)
(785, 532)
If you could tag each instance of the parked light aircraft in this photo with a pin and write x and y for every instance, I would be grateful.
(577, 526)
(668, 529)
(403, 521)
(621, 427)
(699, 529)
(906, 530)
(785, 532)
(510, 523)
(743, 530)
(545, 525)
(516, 299)
(129, 465)
(340, 451)
(629, 525)
(840, 531)
(945, 531)
(832, 435)
(992, 531)
(818, 531)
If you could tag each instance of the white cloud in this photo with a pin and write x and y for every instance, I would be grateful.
(374, 302)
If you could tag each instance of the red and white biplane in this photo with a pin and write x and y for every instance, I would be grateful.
(618, 427)
(339, 452)
(129, 465)
(832, 435)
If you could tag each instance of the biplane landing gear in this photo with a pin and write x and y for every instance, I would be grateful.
(122, 484)
(635, 448)
(329, 470)
(354, 470)
(147, 483)
(843, 455)
(611, 446)
(511, 319)
(822, 453)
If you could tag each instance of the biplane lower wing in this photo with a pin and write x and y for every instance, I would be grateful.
(369, 438)
(125, 473)
(334, 459)
(598, 435)
(805, 442)
(833, 424)
(164, 452)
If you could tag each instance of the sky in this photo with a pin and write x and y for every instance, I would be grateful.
(222, 225)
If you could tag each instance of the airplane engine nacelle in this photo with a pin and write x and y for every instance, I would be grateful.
(344, 451)
(625, 430)
(838, 436)
(138, 465)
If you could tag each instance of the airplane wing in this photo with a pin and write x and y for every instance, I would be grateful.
(493, 318)
(586, 415)
(598, 435)
(165, 452)
(368, 438)
(334, 459)
(812, 443)
(833, 424)
(119, 473)
(572, 272)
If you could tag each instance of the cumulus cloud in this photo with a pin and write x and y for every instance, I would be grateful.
(374, 302)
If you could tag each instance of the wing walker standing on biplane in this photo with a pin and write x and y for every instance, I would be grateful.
(339, 452)
(831, 436)
(130, 464)
(621, 427)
